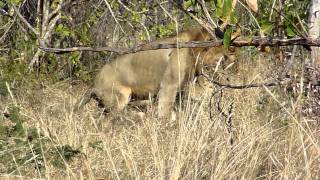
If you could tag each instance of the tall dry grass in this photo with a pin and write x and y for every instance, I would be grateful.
(256, 133)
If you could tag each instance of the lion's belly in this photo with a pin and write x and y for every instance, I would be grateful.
(145, 90)
(147, 81)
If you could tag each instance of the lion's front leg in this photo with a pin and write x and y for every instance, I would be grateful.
(172, 80)
(167, 96)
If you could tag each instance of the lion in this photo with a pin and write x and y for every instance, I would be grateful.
(162, 72)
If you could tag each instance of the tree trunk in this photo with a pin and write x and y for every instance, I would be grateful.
(314, 29)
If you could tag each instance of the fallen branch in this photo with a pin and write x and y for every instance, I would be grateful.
(257, 42)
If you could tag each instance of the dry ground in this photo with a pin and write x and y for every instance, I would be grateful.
(256, 133)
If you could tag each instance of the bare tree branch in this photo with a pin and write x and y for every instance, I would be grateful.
(246, 86)
(50, 27)
(60, 6)
(273, 82)
(5, 13)
(45, 16)
(24, 20)
(193, 44)
(49, 20)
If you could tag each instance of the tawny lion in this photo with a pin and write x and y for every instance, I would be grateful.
(162, 72)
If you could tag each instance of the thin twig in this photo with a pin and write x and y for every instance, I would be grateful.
(289, 62)
(229, 123)
(301, 24)
(227, 116)
(5, 13)
(3, 37)
(207, 14)
(210, 102)
(255, 20)
(271, 12)
(24, 20)
(201, 22)
(167, 13)
(34, 59)
(59, 7)
(112, 14)
(11, 94)
(301, 33)
(246, 86)
(142, 22)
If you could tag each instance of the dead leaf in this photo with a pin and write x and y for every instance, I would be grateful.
(252, 4)
(234, 3)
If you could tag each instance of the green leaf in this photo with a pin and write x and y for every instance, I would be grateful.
(63, 30)
(224, 10)
(290, 31)
(75, 57)
(189, 3)
(233, 18)
(227, 37)
(15, 2)
(227, 7)
(97, 145)
(266, 27)
(219, 6)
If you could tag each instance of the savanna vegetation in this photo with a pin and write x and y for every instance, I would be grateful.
(255, 117)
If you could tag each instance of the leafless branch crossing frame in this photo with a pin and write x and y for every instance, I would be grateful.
(257, 42)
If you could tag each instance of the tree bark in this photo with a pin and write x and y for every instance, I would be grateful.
(314, 29)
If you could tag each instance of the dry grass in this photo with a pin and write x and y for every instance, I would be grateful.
(271, 140)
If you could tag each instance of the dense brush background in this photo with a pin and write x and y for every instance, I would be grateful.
(270, 132)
